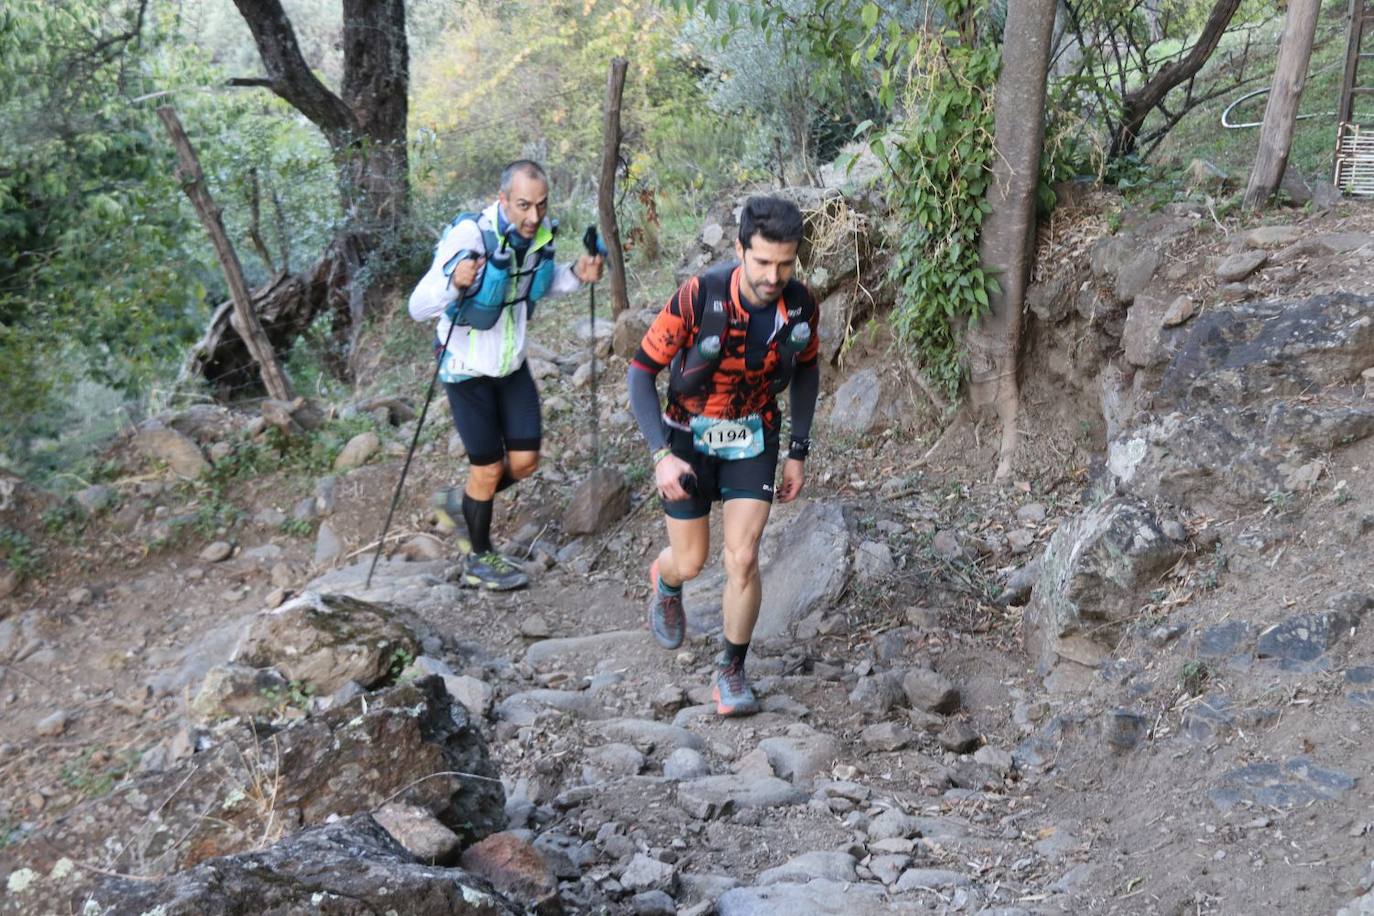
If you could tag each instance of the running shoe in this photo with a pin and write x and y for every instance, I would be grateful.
(667, 620)
(732, 693)
(494, 572)
(448, 517)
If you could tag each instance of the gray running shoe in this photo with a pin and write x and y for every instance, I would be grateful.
(667, 620)
(492, 571)
(732, 693)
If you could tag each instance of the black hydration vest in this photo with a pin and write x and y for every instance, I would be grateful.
(691, 368)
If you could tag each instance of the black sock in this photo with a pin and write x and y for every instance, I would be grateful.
(506, 481)
(734, 653)
(477, 514)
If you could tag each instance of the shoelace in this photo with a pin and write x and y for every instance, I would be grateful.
(672, 609)
(734, 678)
(497, 562)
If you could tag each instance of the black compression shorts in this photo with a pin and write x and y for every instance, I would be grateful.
(718, 480)
(496, 415)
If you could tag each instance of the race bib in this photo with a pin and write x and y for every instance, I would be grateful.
(728, 439)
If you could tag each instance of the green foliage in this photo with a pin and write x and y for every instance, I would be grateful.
(940, 162)
(92, 268)
(779, 70)
(489, 89)
(96, 772)
(401, 657)
(297, 695)
(1194, 676)
(19, 553)
(105, 273)
(297, 527)
(65, 520)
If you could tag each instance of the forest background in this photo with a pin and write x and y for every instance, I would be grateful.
(106, 277)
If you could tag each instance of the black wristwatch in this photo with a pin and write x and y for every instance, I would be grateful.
(799, 448)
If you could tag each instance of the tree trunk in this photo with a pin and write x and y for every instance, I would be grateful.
(610, 158)
(365, 127)
(1008, 234)
(1281, 112)
(243, 317)
(1137, 104)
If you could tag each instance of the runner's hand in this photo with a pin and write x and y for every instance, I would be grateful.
(465, 274)
(793, 478)
(667, 474)
(589, 269)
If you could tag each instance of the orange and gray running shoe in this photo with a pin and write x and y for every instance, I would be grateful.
(731, 691)
(667, 620)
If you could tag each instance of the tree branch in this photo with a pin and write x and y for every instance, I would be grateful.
(288, 74)
(1138, 104)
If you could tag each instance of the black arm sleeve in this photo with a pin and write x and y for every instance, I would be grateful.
(646, 408)
(806, 384)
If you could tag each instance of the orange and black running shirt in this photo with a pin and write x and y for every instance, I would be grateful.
(734, 390)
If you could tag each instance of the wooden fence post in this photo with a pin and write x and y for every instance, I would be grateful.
(610, 158)
(1281, 111)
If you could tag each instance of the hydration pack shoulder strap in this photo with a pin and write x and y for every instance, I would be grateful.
(710, 318)
(801, 310)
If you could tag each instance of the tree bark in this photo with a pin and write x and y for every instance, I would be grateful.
(1137, 104)
(366, 127)
(610, 158)
(1281, 111)
(243, 318)
(1008, 234)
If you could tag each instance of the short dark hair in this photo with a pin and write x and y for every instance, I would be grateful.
(774, 218)
(527, 167)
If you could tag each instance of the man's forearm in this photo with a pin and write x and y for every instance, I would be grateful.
(646, 408)
(806, 385)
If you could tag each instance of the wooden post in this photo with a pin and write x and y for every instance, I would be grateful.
(244, 319)
(1281, 112)
(610, 158)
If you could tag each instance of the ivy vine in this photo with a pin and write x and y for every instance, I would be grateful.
(939, 163)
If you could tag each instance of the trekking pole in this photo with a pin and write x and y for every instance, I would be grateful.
(429, 396)
(594, 247)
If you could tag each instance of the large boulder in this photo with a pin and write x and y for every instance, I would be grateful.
(808, 571)
(1250, 403)
(1094, 575)
(205, 423)
(856, 407)
(598, 502)
(630, 328)
(329, 640)
(179, 452)
(345, 868)
(1272, 349)
(409, 744)
(1216, 457)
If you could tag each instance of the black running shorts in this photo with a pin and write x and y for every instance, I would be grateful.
(496, 415)
(718, 480)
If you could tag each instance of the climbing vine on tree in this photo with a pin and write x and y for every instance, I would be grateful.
(939, 163)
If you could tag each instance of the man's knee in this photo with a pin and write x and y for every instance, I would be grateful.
(741, 561)
(523, 464)
(689, 562)
(486, 474)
